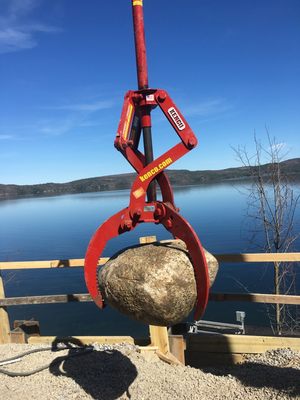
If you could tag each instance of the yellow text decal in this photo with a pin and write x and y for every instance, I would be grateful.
(156, 169)
(127, 121)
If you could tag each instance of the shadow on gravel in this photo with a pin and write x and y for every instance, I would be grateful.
(283, 379)
(214, 354)
(104, 375)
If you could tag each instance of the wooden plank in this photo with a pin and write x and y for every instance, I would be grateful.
(234, 258)
(159, 334)
(258, 257)
(83, 297)
(147, 349)
(149, 352)
(241, 344)
(82, 339)
(159, 337)
(147, 239)
(48, 299)
(168, 358)
(4, 319)
(47, 264)
(256, 298)
(177, 347)
(17, 336)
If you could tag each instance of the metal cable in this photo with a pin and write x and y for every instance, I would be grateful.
(81, 352)
(26, 353)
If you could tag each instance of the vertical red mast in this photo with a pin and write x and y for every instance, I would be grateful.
(142, 75)
(140, 44)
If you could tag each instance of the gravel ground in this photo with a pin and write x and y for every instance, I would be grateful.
(121, 372)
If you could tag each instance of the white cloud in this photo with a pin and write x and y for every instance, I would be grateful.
(17, 30)
(19, 7)
(14, 40)
(6, 137)
(208, 108)
(78, 116)
(89, 107)
(57, 127)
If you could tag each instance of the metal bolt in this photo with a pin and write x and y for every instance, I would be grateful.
(138, 212)
(127, 224)
(162, 97)
(192, 142)
(168, 223)
(137, 98)
(158, 212)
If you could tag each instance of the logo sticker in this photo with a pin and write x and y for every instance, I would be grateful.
(139, 193)
(156, 169)
(176, 118)
(150, 97)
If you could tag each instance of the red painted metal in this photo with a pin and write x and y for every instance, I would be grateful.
(140, 45)
(135, 116)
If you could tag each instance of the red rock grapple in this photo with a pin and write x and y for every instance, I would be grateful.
(143, 205)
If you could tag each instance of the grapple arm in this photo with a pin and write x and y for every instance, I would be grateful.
(135, 118)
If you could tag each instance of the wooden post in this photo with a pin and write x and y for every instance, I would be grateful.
(159, 334)
(4, 320)
(147, 239)
(177, 347)
(159, 338)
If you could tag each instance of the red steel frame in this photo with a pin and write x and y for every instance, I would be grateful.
(136, 118)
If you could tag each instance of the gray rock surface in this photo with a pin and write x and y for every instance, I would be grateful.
(152, 283)
(121, 372)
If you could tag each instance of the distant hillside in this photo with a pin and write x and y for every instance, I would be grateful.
(291, 168)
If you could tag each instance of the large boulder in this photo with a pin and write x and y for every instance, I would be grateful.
(153, 283)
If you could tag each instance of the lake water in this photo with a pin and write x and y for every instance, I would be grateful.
(61, 227)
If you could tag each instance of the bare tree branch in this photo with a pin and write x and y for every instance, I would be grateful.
(271, 208)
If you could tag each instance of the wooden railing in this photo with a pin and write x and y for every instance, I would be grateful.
(65, 298)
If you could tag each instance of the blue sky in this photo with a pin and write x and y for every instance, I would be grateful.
(232, 67)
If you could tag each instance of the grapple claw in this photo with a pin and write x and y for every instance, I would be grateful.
(108, 230)
(181, 229)
(135, 118)
(173, 222)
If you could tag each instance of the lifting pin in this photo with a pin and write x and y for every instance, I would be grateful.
(127, 224)
(137, 212)
(162, 97)
(192, 142)
(168, 223)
